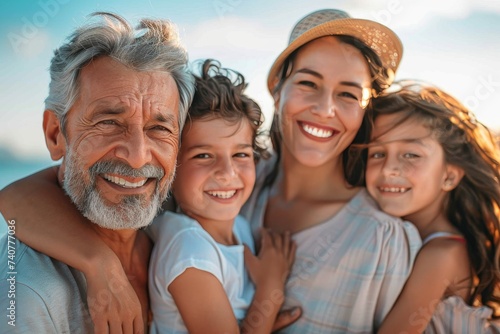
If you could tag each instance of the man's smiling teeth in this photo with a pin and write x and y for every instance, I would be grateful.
(394, 190)
(122, 182)
(316, 132)
(222, 194)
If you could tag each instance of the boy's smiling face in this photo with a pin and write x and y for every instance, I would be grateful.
(216, 169)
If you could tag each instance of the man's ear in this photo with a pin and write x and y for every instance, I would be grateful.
(453, 176)
(54, 138)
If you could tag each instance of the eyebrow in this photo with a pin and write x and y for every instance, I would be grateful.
(100, 111)
(319, 76)
(169, 118)
(204, 146)
(418, 141)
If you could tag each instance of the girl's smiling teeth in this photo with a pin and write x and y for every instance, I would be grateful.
(124, 183)
(222, 194)
(316, 132)
(394, 189)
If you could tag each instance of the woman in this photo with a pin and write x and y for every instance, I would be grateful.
(352, 260)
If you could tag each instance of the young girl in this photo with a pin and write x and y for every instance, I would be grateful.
(432, 163)
(198, 281)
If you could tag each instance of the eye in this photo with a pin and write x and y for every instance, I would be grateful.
(307, 83)
(410, 156)
(160, 128)
(376, 155)
(107, 122)
(349, 96)
(202, 156)
(243, 155)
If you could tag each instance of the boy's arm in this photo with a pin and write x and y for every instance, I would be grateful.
(46, 220)
(203, 303)
(205, 307)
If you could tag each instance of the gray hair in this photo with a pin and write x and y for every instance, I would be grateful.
(153, 46)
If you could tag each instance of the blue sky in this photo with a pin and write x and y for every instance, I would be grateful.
(454, 44)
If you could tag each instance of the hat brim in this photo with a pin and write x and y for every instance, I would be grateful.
(382, 40)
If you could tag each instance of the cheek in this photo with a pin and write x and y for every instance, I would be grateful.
(91, 144)
(183, 188)
(353, 121)
(189, 179)
(249, 174)
(290, 102)
(370, 174)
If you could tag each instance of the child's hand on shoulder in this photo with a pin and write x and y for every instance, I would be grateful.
(271, 266)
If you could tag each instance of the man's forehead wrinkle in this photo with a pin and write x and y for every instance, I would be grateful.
(120, 102)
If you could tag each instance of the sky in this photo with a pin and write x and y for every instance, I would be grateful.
(454, 44)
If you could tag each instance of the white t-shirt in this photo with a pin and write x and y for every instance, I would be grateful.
(181, 243)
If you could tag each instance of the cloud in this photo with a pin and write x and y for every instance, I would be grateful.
(233, 33)
(414, 14)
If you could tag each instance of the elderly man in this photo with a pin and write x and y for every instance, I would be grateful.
(117, 102)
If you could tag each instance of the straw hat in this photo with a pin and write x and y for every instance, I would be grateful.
(383, 41)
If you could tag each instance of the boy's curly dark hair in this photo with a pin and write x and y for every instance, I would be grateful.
(220, 94)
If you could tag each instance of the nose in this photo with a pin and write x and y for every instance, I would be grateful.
(324, 106)
(225, 170)
(134, 148)
(391, 166)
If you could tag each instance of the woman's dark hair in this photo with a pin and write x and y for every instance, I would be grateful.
(220, 94)
(473, 207)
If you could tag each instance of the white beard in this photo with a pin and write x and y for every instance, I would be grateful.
(133, 212)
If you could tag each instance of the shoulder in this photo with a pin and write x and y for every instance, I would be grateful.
(364, 210)
(182, 249)
(48, 288)
(38, 270)
(177, 226)
(443, 263)
(21, 303)
(170, 225)
(444, 255)
(181, 239)
(396, 242)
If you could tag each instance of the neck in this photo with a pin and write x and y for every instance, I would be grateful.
(431, 219)
(297, 181)
(221, 231)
